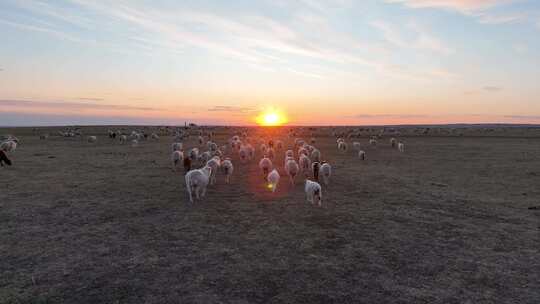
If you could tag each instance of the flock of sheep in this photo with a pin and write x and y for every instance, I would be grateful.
(302, 159)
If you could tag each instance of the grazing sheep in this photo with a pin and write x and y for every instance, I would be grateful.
(91, 139)
(292, 169)
(228, 169)
(213, 163)
(325, 171)
(123, 139)
(342, 146)
(134, 143)
(187, 164)
(373, 142)
(197, 181)
(356, 146)
(362, 155)
(305, 164)
(177, 157)
(154, 137)
(401, 147)
(4, 159)
(393, 142)
(177, 146)
(313, 192)
(273, 179)
(316, 155)
(266, 165)
(43, 136)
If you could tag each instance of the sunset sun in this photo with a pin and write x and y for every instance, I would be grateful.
(271, 118)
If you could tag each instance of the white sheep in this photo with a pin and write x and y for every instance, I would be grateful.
(313, 192)
(362, 155)
(305, 164)
(243, 153)
(123, 139)
(213, 163)
(342, 146)
(154, 137)
(373, 142)
(356, 146)
(197, 181)
(228, 169)
(177, 158)
(302, 151)
(292, 169)
(194, 154)
(401, 147)
(273, 180)
(266, 165)
(325, 171)
(91, 139)
(263, 148)
(204, 157)
(9, 145)
(134, 143)
(393, 142)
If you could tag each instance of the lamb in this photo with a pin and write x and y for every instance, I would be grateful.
(401, 147)
(292, 169)
(305, 164)
(266, 165)
(362, 155)
(325, 171)
(213, 163)
(313, 192)
(197, 181)
(177, 146)
(273, 179)
(194, 154)
(4, 159)
(228, 169)
(91, 139)
(176, 158)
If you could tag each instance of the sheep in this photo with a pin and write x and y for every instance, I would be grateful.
(4, 159)
(154, 137)
(123, 139)
(356, 146)
(228, 169)
(176, 158)
(316, 155)
(362, 155)
(313, 192)
(292, 169)
(91, 139)
(273, 179)
(243, 153)
(373, 142)
(204, 157)
(43, 136)
(279, 145)
(177, 146)
(187, 164)
(315, 166)
(266, 165)
(342, 146)
(213, 163)
(9, 146)
(201, 140)
(305, 164)
(302, 151)
(401, 147)
(134, 143)
(325, 171)
(312, 141)
(264, 148)
(393, 142)
(194, 154)
(271, 153)
(197, 181)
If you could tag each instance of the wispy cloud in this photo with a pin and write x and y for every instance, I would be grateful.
(91, 98)
(372, 116)
(232, 109)
(71, 105)
(463, 6)
(523, 117)
(492, 88)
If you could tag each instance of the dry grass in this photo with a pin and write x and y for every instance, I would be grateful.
(446, 222)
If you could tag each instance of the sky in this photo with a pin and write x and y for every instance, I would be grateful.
(334, 62)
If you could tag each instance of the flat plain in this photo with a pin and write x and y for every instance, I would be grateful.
(451, 220)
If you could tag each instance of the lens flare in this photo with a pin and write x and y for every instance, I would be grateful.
(271, 118)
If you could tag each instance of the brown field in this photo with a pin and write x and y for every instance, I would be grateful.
(448, 221)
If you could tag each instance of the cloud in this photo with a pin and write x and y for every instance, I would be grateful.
(1, 69)
(463, 6)
(71, 105)
(523, 117)
(90, 99)
(375, 116)
(492, 88)
(232, 109)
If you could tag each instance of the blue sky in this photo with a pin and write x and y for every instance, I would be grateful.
(321, 62)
